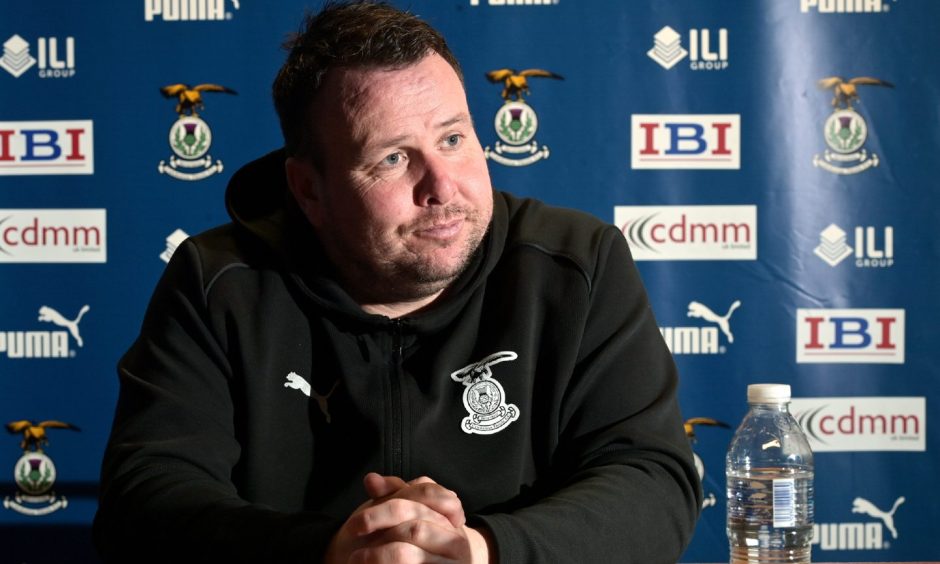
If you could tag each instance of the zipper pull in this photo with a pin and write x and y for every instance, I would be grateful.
(397, 339)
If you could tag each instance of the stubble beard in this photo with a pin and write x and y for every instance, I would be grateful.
(415, 275)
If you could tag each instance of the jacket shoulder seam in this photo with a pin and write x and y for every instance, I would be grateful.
(574, 260)
(219, 274)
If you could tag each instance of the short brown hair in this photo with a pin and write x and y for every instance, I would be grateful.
(346, 34)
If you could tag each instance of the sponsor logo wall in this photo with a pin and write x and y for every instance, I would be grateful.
(689, 232)
(189, 10)
(702, 53)
(49, 61)
(686, 141)
(855, 336)
(47, 147)
(772, 168)
(76, 235)
(863, 424)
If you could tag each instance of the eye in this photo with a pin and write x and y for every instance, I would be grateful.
(392, 159)
(453, 140)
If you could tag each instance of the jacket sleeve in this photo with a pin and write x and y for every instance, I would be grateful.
(623, 485)
(167, 493)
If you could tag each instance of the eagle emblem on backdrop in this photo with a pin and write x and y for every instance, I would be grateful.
(190, 136)
(516, 122)
(845, 130)
(34, 472)
(689, 425)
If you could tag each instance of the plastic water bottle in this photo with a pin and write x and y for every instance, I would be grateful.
(769, 471)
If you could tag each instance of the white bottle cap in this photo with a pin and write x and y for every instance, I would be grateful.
(768, 393)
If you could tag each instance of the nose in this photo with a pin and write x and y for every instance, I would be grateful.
(437, 185)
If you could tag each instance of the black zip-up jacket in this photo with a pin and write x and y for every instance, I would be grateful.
(538, 389)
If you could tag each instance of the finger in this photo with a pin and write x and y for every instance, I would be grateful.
(432, 538)
(435, 496)
(423, 490)
(444, 541)
(398, 552)
(390, 513)
(380, 486)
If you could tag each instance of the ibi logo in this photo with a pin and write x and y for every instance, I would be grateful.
(854, 336)
(46, 147)
(685, 141)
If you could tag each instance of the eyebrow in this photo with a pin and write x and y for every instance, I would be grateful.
(459, 118)
(394, 141)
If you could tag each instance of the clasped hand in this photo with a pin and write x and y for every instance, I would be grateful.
(407, 522)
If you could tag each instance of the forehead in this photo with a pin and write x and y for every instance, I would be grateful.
(364, 100)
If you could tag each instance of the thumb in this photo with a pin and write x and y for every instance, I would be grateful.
(378, 486)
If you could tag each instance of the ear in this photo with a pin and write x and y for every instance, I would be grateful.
(305, 183)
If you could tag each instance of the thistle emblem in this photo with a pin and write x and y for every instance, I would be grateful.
(516, 121)
(190, 137)
(845, 131)
(34, 472)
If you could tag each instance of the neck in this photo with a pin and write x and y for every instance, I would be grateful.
(400, 309)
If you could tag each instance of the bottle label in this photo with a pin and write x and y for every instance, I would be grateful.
(784, 502)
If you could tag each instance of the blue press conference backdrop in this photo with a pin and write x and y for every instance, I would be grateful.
(783, 218)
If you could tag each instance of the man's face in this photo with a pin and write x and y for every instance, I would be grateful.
(403, 197)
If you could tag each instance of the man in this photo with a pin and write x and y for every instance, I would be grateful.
(383, 360)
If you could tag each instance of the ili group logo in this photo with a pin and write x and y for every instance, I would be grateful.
(516, 122)
(667, 49)
(845, 131)
(53, 59)
(190, 137)
(870, 250)
(173, 241)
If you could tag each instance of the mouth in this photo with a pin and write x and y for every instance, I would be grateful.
(442, 231)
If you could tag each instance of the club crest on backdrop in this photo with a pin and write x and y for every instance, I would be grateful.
(516, 121)
(34, 472)
(689, 425)
(190, 137)
(845, 130)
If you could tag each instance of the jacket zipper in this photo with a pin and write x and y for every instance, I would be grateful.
(395, 426)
